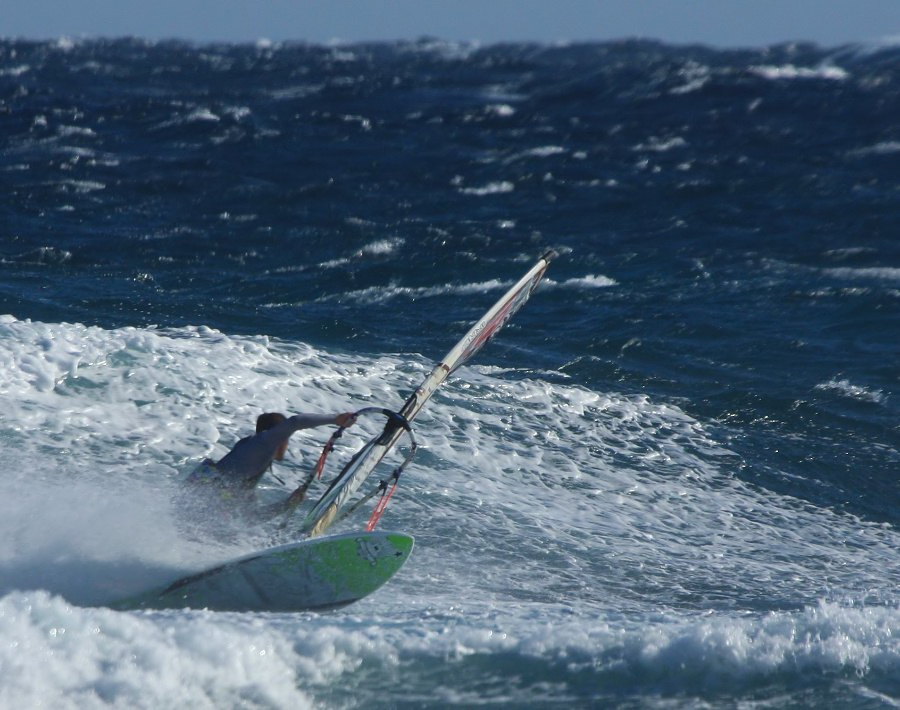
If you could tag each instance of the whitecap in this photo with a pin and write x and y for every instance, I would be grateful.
(883, 148)
(441, 49)
(381, 247)
(66, 44)
(202, 115)
(68, 658)
(878, 273)
(492, 188)
(660, 145)
(501, 110)
(790, 71)
(81, 186)
(295, 92)
(544, 151)
(845, 388)
(76, 131)
(583, 282)
(696, 76)
(15, 71)
(383, 294)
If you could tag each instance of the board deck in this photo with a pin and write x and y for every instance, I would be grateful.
(311, 575)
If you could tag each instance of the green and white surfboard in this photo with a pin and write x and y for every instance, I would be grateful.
(316, 574)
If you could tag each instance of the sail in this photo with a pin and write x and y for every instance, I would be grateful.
(358, 469)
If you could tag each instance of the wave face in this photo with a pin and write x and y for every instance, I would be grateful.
(670, 481)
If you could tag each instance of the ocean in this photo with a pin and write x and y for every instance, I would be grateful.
(669, 482)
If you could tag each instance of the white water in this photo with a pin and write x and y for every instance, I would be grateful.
(585, 532)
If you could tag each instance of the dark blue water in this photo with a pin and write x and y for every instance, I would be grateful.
(727, 228)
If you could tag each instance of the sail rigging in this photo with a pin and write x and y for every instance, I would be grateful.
(355, 472)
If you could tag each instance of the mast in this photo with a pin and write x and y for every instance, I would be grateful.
(360, 466)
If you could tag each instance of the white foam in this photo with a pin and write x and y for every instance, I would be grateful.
(601, 530)
(883, 148)
(589, 281)
(878, 273)
(790, 71)
(91, 541)
(66, 44)
(111, 407)
(379, 247)
(441, 49)
(77, 131)
(61, 657)
(659, 145)
(202, 114)
(501, 110)
(845, 388)
(15, 71)
(492, 188)
(695, 76)
(81, 186)
(105, 422)
(55, 655)
(545, 151)
(290, 93)
(383, 294)
(719, 650)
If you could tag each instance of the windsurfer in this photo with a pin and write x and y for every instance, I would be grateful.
(233, 478)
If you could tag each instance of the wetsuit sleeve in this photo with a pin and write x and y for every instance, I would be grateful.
(306, 421)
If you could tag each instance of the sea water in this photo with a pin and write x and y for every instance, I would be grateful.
(670, 481)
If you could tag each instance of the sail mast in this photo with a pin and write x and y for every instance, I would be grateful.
(357, 470)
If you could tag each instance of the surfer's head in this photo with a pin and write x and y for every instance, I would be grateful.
(268, 420)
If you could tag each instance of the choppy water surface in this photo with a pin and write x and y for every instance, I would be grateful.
(670, 481)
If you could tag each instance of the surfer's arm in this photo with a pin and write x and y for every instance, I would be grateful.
(309, 421)
(250, 457)
(266, 443)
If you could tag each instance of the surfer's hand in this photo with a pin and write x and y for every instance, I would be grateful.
(347, 419)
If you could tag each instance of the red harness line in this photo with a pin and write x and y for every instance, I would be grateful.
(382, 504)
(329, 447)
